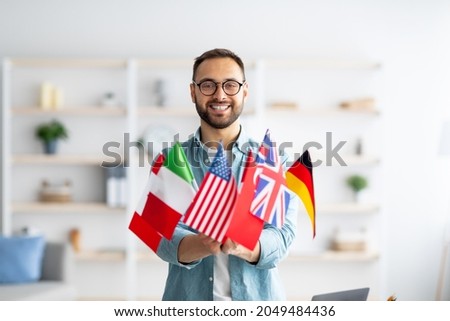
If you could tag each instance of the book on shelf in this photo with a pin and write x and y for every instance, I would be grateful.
(116, 190)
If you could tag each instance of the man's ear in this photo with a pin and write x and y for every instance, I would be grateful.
(245, 89)
(192, 87)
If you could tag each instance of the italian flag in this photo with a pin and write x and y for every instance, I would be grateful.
(169, 191)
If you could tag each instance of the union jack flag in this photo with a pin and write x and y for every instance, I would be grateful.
(272, 194)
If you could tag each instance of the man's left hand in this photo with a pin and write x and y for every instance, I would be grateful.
(232, 248)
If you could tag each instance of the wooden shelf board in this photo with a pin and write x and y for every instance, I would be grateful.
(68, 63)
(79, 207)
(147, 256)
(104, 298)
(353, 160)
(349, 159)
(101, 255)
(58, 159)
(322, 64)
(73, 111)
(164, 63)
(319, 112)
(166, 111)
(347, 208)
(335, 256)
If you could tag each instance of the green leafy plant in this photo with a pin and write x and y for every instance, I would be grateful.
(357, 183)
(51, 131)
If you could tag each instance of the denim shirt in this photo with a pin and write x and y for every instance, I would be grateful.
(249, 281)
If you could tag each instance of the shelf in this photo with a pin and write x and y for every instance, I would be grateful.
(166, 111)
(68, 63)
(335, 256)
(322, 64)
(320, 112)
(78, 207)
(147, 256)
(164, 63)
(57, 159)
(358, 160)
(349, 159)
(116, 255)
(100, 256)
(347, 208)
(72, 111)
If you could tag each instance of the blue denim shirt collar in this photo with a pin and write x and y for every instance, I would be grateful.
(242, 144)
(239, 151)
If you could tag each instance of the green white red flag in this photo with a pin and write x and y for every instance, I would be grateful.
(169, 191)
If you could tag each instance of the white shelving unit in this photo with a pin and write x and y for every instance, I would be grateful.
(131, 77)
(301, 105)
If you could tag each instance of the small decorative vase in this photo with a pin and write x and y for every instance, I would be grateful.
(359, 197)
(50, 147)
(75, 239)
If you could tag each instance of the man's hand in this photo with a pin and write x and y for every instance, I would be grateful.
(233, 248)
(195, 247)
(212, 246)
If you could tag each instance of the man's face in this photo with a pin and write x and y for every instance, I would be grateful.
(219, 110)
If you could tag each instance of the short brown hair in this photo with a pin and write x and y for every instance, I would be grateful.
(217, 53)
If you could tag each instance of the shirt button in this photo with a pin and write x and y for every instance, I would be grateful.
(210, 279)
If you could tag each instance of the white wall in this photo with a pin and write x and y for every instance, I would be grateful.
(410, 38)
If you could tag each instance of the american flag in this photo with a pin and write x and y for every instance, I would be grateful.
(272, 195)
(211, 210)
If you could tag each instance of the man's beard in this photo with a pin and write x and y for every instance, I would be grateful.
(216, 122)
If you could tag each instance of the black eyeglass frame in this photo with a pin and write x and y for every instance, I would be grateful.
(217, 86)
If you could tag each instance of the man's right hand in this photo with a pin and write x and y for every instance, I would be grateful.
(211, 245)
(195, 247)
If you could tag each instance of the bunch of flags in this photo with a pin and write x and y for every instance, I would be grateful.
(219, 208)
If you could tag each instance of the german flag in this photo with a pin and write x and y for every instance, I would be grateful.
(299, 179)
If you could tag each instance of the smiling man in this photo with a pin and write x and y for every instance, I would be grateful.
(201, 268)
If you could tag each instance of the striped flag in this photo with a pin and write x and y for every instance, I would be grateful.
(272, 195)
(214, 203)
(299, 179)
(167, 196)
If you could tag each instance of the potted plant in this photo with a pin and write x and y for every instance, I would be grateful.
(50, 133)
(357, 183)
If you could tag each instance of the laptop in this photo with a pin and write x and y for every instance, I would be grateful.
(348, 295)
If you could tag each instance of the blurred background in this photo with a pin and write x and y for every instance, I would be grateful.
(374, 75)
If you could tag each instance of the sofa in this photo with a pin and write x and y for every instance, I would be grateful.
(53, 283)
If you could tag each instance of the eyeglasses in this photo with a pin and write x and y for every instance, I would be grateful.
(209, 87)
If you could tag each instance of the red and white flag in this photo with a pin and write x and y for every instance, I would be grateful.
(245, 228)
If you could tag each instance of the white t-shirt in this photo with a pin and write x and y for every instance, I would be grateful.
(221, 288)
